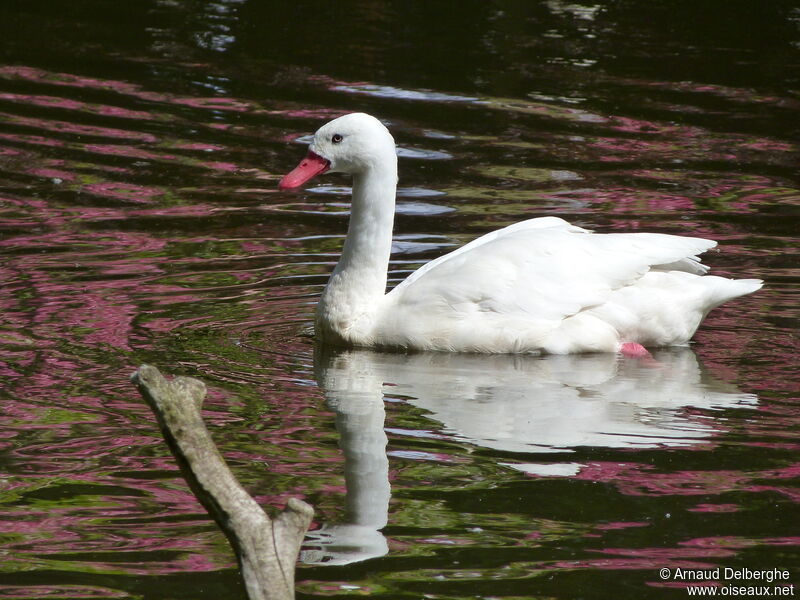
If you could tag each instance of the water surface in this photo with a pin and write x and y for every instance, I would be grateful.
(140, 221)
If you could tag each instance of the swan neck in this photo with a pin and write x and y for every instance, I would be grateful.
(358, 283)
(369, 233)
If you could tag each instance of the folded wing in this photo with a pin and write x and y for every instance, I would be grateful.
(545, 268)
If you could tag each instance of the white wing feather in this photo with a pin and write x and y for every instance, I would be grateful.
(546, 268)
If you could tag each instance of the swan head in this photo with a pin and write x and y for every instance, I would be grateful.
(351, 144)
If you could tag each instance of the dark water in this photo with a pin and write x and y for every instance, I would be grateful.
(140, 221)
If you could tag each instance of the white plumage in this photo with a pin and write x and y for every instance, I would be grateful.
(541, 285)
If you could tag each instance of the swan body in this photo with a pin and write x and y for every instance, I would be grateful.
(538, 286)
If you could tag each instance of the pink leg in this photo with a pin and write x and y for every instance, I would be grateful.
(633, 350)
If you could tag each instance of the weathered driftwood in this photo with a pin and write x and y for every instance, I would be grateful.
(267, 549)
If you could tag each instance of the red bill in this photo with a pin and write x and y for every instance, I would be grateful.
(311, 166)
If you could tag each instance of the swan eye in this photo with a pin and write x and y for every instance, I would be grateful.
(337, 137)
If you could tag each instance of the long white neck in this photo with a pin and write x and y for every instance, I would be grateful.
(358, 282)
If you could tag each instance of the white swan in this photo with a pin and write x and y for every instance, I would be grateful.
(541, 285)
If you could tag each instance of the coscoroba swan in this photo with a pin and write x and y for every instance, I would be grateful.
(541, 285)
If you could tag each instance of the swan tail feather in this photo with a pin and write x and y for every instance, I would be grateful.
(728, 289)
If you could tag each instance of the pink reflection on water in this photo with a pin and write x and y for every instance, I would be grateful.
(65, 103)
(52, 173)
(628, 200)
(42, 76)
(123, 191)
(309, 113)
(637, 480)
(669, 553)
(128, 151)
(167, 324)
(620, 525)
(96, 312)
(649, 141)
(217, 103)
(78, 129)
(59, 591)
(740, 542)
(36, 140)
(715, 508)
(110, 319)
(122, 87)
(200, 146)
(105, 213)
(67, 241)
(24, 202)
(734, 197)
(221, 166)
(638, 126)
(730, 93)
(615, 564)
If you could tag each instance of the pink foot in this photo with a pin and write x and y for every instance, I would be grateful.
(634, 350)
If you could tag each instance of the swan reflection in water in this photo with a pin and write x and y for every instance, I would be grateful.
(511, 403)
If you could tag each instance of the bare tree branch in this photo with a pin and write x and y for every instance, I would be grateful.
(267, 549)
